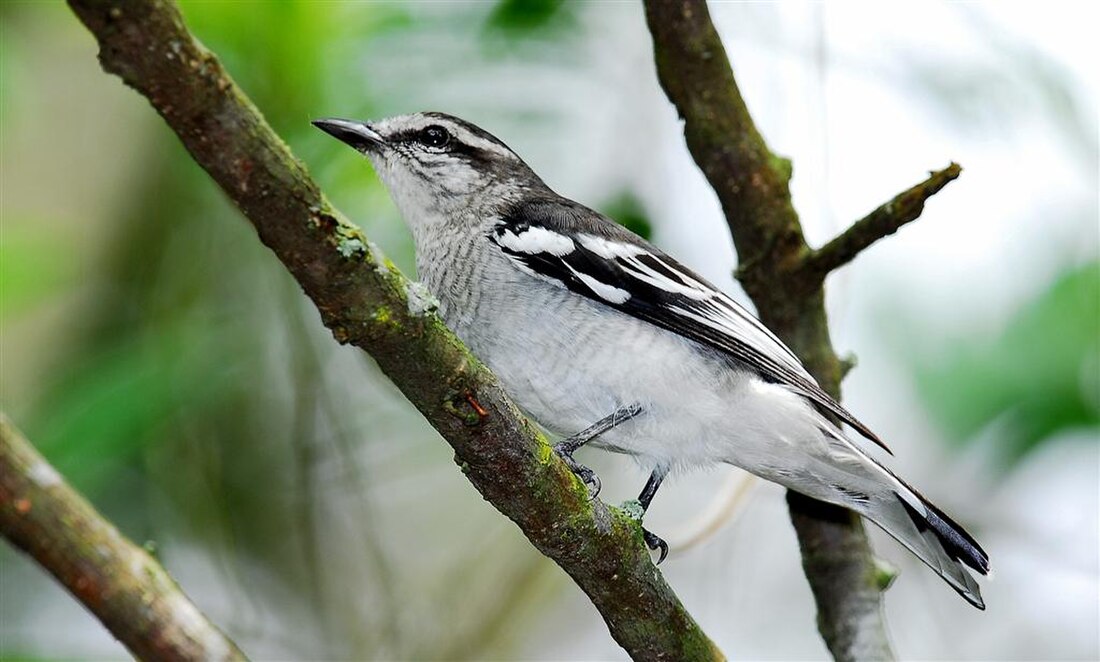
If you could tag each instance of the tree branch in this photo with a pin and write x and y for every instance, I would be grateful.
(886, 220)
(365, 301)
(120, 583)
(752, 186)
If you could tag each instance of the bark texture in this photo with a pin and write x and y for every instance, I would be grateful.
(365, 301)
(119, 582)
(784, 277)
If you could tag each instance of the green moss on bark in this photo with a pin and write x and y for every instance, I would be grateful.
(362, 298)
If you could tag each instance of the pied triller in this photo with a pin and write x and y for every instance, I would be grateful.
(600, 336)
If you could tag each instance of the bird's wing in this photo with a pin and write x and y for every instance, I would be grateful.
(574, 247)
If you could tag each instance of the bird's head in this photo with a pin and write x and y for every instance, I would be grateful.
(436, 165)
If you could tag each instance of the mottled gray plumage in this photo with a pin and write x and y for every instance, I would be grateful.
(580, 318)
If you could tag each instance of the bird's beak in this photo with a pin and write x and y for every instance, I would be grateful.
(358, 135)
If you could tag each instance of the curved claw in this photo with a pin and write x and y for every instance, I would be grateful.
(654, 543)
(587, 476)
(591, 481)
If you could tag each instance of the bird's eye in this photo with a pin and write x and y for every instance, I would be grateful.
(434, 136)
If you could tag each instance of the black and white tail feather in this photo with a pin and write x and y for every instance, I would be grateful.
(574, 247)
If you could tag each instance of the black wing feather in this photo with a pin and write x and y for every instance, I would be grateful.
(670, 310)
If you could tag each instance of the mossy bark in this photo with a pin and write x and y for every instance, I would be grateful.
(363, 299)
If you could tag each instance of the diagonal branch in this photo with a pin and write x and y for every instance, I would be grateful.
(120, 583)
(752, 186)
(882, 222)
(365, 301)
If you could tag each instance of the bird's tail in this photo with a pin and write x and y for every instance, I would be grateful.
(829, 467)
(930, 534)
(851, 478)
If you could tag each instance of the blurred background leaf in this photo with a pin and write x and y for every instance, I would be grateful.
(1040, 375)
(35, 264)
(627, 210)
(517, 19)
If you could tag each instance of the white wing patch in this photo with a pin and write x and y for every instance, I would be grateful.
(667, 278)
(534, 240)
(606, 292)
(717, 309)
(702, 303)
(607, 249)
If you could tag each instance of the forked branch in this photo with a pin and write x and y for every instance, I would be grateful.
(905, 207)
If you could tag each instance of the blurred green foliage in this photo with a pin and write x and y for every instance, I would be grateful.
(121, 398)
(34, 266)
(1040, 377)
(518, 17)
(627, 209)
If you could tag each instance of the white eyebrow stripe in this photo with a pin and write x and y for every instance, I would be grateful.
(535, 240)
(474, 140)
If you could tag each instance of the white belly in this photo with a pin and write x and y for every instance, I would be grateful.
(567, 374)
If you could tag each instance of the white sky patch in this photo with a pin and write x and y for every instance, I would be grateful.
(537, 240)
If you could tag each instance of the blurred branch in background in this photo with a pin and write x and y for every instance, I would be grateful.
(785, 279)
(905, 207)
(367, 302)
(115, 579)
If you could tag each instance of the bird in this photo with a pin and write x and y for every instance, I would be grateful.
(600, 337)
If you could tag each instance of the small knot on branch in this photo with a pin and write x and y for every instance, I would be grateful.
(465, 407)
(847, 362)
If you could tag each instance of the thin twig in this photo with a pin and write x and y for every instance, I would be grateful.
(884, 221)
(364, 300)
(119, 582)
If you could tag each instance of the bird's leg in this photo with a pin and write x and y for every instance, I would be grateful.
(644, 499)
(566, 447)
